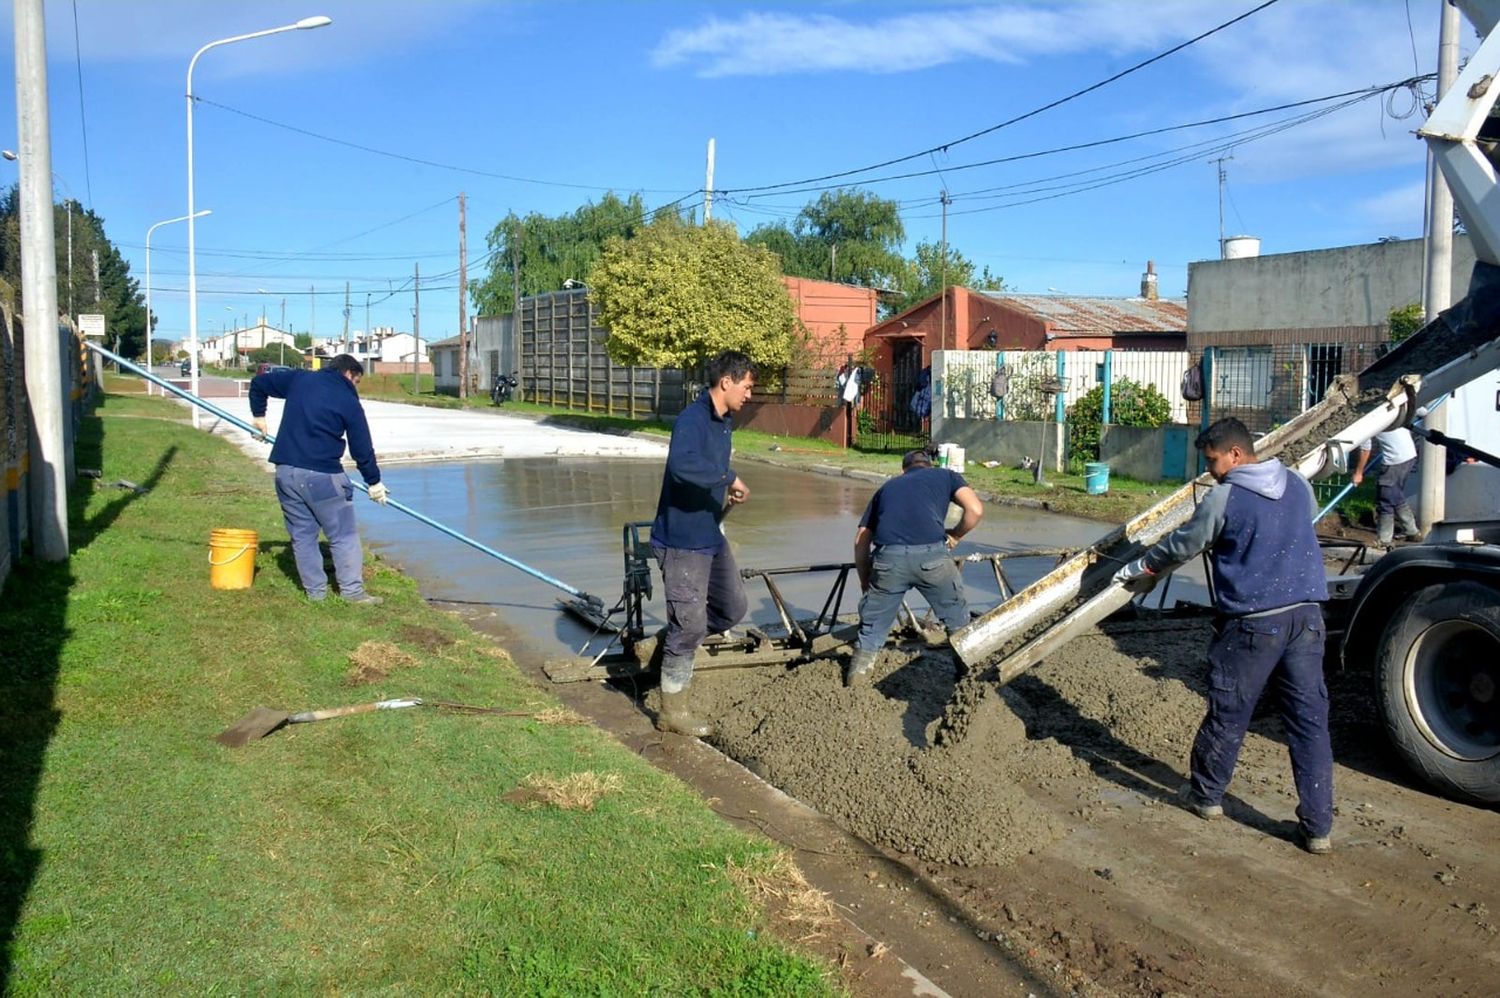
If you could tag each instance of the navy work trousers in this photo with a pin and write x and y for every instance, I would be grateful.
(1285, 652)
(705, 595)
(316, 500)
(896, 568)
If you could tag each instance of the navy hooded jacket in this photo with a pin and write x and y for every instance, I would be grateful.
(322, 408)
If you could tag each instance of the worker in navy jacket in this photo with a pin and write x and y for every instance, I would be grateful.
(322, 411)
(704, 592)
(1269, 584)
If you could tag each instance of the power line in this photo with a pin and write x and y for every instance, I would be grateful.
(418, 160)
(1361, 93)
(944, 147)
(88, 182)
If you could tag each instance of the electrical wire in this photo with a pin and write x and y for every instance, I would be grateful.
(945, 146)
(416, 159)
(88, 182)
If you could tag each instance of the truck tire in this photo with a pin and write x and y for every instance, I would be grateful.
(1438, 670)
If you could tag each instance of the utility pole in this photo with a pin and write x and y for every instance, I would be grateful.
(1223, 176)
(515, 272)
(283, 331)
(1432, 462)
(943, 268)
(708, 186)
(48, 489)
(312, 311)
(347, 310)
(369, 337)
(416, 330)
(463, 308)
(833, 262)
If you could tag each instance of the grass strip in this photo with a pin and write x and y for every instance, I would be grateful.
(421, 850)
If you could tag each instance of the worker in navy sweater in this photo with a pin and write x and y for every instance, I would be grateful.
(901, 544)
(704, 592)
(322, 409)
(1269, 582)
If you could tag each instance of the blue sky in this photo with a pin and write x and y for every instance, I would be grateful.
(531, 106)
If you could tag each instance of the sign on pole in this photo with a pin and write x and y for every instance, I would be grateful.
(91, 324)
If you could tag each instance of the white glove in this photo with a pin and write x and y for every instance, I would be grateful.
(379, 492)
(1137, 577)
(259, 422)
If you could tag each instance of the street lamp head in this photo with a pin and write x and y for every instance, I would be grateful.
(321, 21)
(9, 154)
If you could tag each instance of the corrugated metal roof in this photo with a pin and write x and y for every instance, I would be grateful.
(1074, 315)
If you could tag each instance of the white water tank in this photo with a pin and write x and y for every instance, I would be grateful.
(1239, 247)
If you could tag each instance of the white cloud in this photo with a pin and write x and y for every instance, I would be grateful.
(761, 44)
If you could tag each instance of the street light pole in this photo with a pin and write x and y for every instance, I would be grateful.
(305, 23)
(169, 221)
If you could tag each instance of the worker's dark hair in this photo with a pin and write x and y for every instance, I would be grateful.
(1224, 434)
(919, 457)
(732, 363)
(345, 364)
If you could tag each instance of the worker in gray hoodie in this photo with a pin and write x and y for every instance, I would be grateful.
(1269, 584)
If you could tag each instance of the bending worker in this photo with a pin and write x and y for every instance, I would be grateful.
(901, 545)
(1269, 582)
(322, 408)
(1397, 453)
(703, 589)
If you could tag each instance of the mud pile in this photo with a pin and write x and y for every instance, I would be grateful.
(865, 757)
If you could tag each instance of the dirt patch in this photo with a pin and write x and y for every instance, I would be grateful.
(425, 638)
(374, 661)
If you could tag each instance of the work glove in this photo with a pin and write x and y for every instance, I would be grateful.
(379, 492)
(261, 432)
(1137, 576)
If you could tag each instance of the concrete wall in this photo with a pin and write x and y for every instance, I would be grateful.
(1004, 441)
(1346, 286)
(1141, 453)
(828, 422)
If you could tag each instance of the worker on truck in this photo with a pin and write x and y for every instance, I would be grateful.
(704, 592)
(1397, 453)
(901, 544)
(1269, 584)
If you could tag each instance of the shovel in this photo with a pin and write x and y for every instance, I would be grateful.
(263, 720)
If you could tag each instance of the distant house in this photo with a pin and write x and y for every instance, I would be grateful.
(834, 315)
(902, 345)
(444, 355)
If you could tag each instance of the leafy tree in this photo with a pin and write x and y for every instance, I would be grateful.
(1404, 321)
(113, 292)
(1130, 404)
(550, 250)
(851, 236)
(925, 273)
(676, 294)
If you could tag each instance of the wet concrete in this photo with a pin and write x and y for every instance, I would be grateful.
(564, 517)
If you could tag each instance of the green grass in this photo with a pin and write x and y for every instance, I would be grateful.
(361, 854)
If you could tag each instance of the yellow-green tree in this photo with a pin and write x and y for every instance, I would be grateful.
(676, 294)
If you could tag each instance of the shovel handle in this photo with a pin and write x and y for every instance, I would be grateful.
(361, 708)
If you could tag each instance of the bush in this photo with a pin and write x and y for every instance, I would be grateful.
(1131, 404)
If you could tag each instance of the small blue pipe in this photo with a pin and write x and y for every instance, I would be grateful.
(248, 428)
(1334, 501)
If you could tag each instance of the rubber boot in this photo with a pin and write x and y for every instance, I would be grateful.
(1407, 522)
(860, 667)
(1385, 529)
(676, 715)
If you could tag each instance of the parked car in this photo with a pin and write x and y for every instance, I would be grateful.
(185, 368)
(263, 368)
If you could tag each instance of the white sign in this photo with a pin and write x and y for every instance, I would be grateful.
(91, 325)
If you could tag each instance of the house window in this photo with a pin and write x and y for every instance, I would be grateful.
(1242, 377)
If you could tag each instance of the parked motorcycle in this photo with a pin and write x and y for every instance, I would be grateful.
(503, 388)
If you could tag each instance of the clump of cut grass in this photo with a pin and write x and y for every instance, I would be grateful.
(574, 792)
(774, 880)
(559, 715)
(374, 661)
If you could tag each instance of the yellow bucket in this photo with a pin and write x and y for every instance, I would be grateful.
(231, 558)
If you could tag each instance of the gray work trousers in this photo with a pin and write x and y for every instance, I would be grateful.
(896, 568)
(316, 500)
(705, 595)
